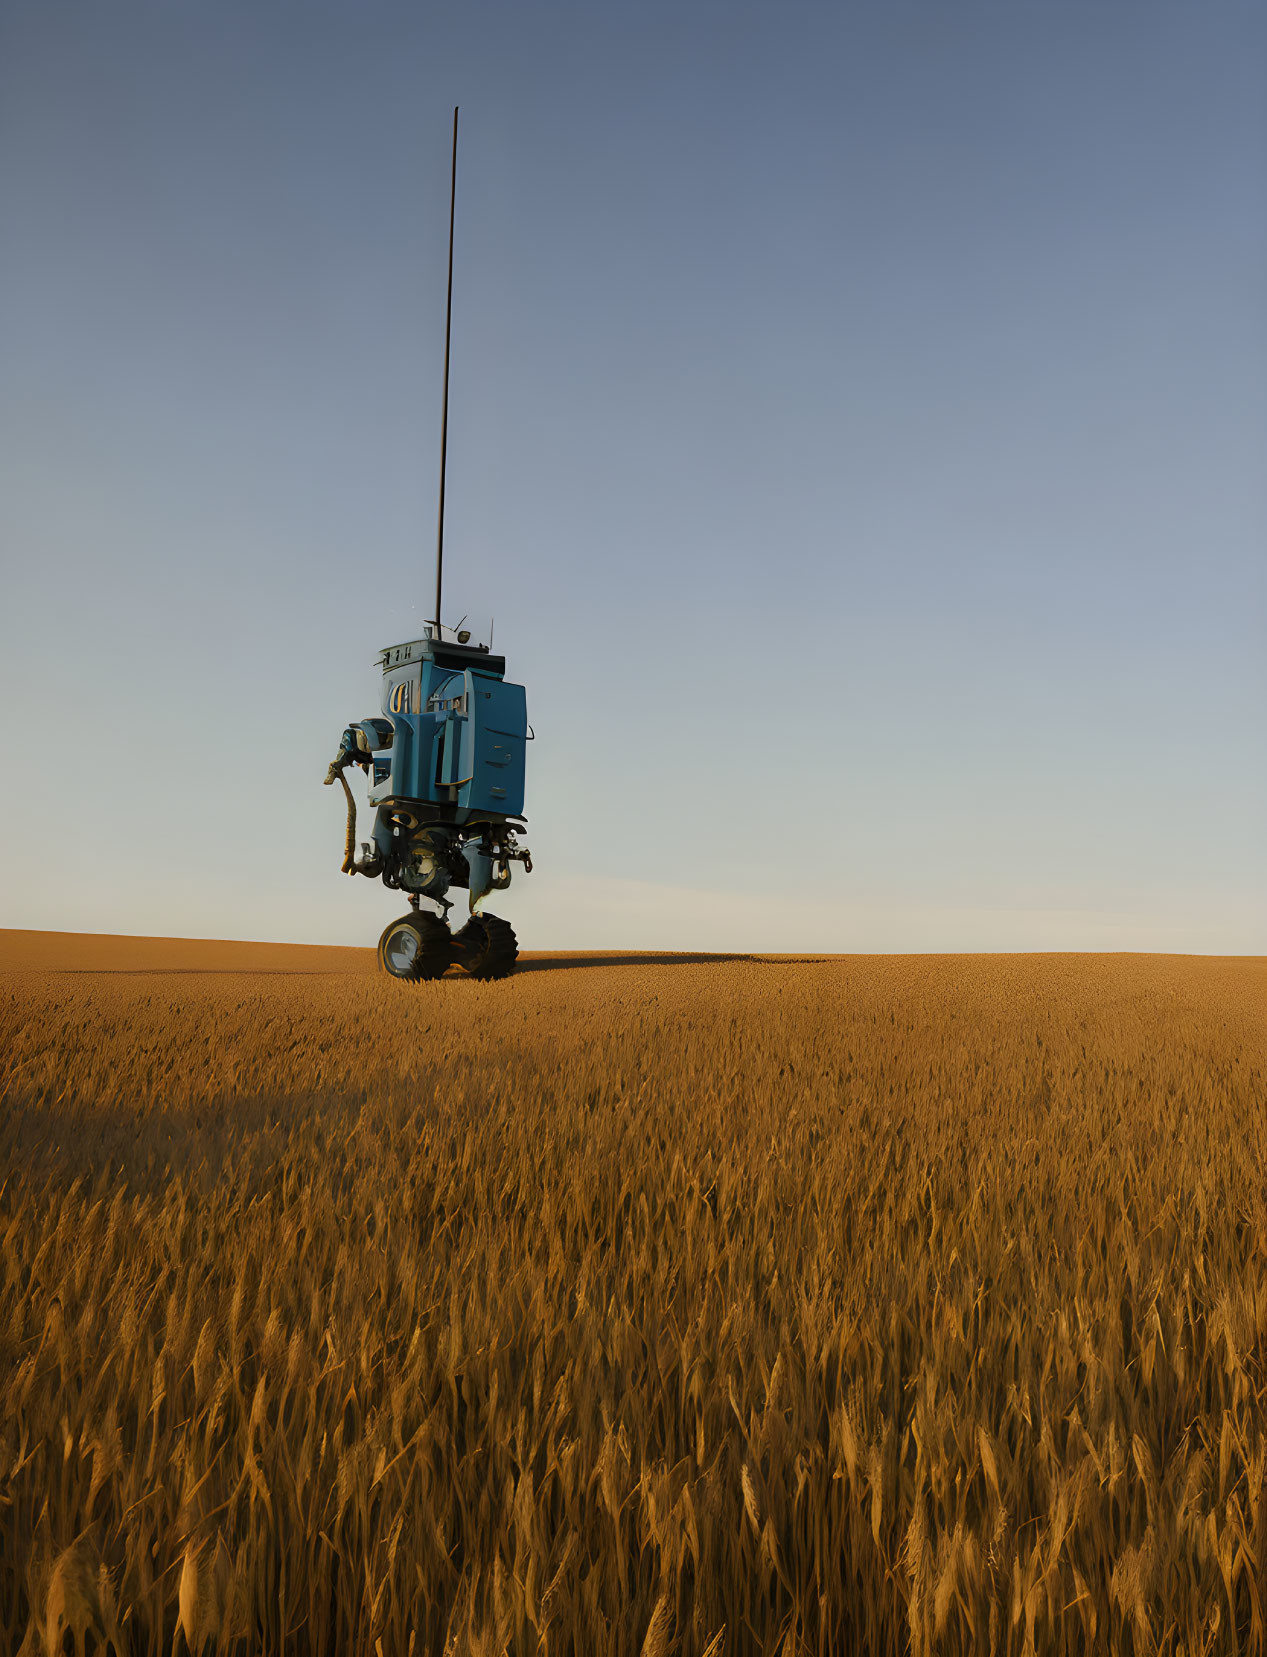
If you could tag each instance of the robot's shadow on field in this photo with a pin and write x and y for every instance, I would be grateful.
(562, 963)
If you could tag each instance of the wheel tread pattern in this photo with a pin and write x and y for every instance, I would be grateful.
(486, 947)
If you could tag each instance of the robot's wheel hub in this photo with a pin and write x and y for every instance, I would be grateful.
(402, 950)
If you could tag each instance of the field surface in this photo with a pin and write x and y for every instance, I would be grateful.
(632, 1305)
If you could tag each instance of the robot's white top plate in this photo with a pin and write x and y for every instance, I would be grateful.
(454, 645)
(395, 655)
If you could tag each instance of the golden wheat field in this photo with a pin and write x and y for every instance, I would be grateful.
(632, 1305)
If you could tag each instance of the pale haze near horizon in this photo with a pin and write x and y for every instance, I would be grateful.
(857, 430)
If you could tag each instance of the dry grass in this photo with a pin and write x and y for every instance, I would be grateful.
(883, 1305)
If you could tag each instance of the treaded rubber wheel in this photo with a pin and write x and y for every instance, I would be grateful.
(486, 947)
(416, 947)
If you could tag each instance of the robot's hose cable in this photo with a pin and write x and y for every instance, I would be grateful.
(349, 844)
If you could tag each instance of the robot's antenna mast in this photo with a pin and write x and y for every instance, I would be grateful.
(444, 416)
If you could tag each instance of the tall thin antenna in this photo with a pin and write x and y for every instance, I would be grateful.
(444, 417)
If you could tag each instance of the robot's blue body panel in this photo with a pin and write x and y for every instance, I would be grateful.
(458, 735)
(497, 732)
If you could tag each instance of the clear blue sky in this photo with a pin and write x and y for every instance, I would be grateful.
(858, 430)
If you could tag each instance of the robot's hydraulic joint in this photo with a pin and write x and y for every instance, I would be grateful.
(501, 848)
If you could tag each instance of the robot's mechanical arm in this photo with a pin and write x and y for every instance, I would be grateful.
(358, 743)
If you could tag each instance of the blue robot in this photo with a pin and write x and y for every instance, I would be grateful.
(444, 763)
(445, 768)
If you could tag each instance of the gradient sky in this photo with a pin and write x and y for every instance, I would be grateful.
(858, 428)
